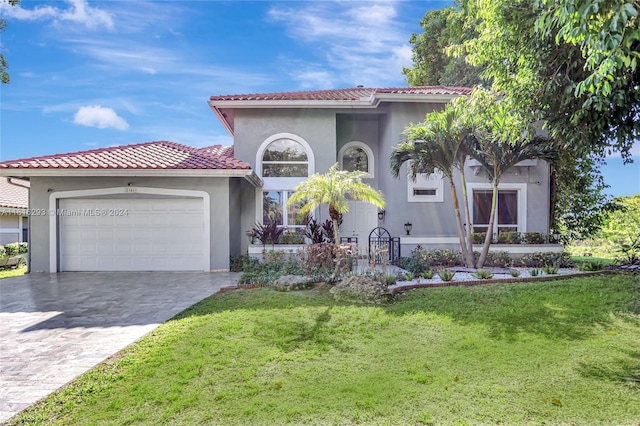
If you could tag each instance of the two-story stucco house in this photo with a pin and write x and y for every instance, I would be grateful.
(165, 206)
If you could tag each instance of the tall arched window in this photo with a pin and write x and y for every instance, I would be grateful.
(283, 161)
(356, 156)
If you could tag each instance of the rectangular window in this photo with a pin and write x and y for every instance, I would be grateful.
(274, 203)
(417, 191)
(507, 210)
(427, 188)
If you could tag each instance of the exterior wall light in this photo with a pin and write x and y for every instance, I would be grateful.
(407, 227)
(381, 214)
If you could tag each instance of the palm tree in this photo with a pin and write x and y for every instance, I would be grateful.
(334, 188)
(501, 139)
(442, 145)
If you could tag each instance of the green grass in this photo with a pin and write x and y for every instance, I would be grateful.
(565, 352)
(583, 259)
(9, 272)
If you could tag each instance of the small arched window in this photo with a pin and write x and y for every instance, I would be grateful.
(285, 158)
(356, 156)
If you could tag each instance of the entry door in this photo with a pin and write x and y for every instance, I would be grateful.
(359, 222)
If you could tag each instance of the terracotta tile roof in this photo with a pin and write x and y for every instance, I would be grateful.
(14, 196)
(352, 94)
(150, 155)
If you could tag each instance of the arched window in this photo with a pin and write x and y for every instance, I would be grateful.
(285, 158)
(356, 156)
(283, 161)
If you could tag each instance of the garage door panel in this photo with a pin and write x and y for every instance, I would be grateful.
(154, 235)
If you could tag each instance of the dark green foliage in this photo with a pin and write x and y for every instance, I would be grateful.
(515, 273)
(274, 265)
(509, 238)
(483, 274)
(591, 265)
(291, 237)
(499, 258)
(414, 265)
(478, 237)
(550, 269)
(438, 257)
(446, 274)
(533, 238)
(541, 259)
(2, 252)
(13, 249)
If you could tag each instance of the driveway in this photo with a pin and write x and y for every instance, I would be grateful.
(54, 327)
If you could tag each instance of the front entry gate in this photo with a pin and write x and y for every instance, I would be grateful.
(383, 247)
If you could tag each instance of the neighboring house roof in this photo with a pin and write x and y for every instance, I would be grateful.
(359, 97)
(14, 195)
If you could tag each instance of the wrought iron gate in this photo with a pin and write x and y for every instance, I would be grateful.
(383, 247)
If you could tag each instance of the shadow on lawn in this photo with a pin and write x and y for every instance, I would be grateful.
(558, 310)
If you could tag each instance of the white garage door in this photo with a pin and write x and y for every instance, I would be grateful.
(132, 235)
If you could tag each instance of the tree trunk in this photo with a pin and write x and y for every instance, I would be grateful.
(456, 207)
(489, 237)
(470, 259)
(335, 217)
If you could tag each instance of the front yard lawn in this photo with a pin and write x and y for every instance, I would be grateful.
(12, 272)
(565, 352)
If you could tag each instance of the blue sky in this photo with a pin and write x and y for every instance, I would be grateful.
(88, 74)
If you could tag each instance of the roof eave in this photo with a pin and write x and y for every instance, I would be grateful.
(23, 173)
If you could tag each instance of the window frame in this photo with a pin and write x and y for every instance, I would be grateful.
(425, 182)
(368, 151)
(520, 188)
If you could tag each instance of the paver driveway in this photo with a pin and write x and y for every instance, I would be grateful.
(54, 327)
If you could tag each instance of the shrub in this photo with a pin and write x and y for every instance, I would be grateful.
(550, 269)
(291, 237)
(409, 276)
(427, 275)
(236, 263)
(514, 273)
(446, 274)
(325, 261)
(441, 257)
(509, 238)
(483, 274)
(2, 252)
(414, 265)
(23, 248)
(11, 249)
(478, 237)
(534, 272)
(390, 279)
(269, 233)
(274, 265)
(591, 265)
(359, 288)
(534, 238)
(499, 258)
(540, 259)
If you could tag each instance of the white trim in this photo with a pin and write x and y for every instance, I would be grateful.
(55, 196)
(522, 199)
(12, 172)
(10, 230)
(523, 248)
(310, 158)
(366, 149)
(429, 240)
(433, 181)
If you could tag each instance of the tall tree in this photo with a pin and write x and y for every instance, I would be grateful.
(439, 143)
(4, 75)
(431, 65)
(501, 138)
(334, 188)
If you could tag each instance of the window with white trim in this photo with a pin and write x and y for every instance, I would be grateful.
(356, 156)
(506, 219)
(427, 188)
(274, 209)
(285, 158)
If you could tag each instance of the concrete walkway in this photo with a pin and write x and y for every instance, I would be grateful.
(54, 327)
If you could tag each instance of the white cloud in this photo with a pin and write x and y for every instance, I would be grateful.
(361, 44)
(100, 117)
(78, 11)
